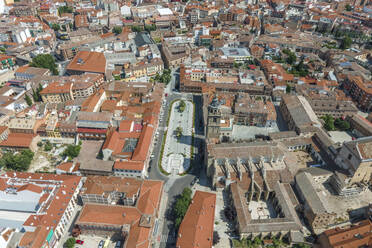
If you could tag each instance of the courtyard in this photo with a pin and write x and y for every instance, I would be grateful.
(178, 141)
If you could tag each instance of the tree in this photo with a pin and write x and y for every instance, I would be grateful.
(56, 27)
(48, 146)
(150, 28)
(288, 89)
(348, 7)
(45, 61)
(19, 162)
(216, 238)
(181, 206)
(342, 124)
(70, 243)
(64, 9)
(291, 56)
(182, 106)
(72, 151)
(28, 100)
(346, 42)
(179, 132)
(136, 29)
(117, 30)
(328, 122)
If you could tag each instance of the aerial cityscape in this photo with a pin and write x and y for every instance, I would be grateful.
(185, 124)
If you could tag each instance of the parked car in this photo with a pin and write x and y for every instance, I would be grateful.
(80, 242)
(101, 243)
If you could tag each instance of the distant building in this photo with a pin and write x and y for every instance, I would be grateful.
(57, 92)
(85, 61)
(298, 113)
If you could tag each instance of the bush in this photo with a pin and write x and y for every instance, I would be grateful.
(216, 238)
(70, 243)
(18, 162)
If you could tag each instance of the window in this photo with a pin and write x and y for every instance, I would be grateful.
(349, 157)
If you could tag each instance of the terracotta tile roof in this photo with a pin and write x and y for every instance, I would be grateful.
(57, 88)
(129, 165)
(18, 140)
(146, 207)
(142, 148)
(196, 229)
(53, 208)
(86, 61)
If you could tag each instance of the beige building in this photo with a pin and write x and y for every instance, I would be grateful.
(57, 92)
(356, 157)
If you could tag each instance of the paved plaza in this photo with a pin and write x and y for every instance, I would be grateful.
(177, 150)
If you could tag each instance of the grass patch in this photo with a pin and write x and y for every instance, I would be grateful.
(161, 155)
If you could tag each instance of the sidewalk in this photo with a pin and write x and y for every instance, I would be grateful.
(163, 207)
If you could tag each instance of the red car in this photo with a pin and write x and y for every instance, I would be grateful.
(80, 242)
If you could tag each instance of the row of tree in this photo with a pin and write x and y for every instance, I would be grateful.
(181, 206)
(17, 161)
(331, 124)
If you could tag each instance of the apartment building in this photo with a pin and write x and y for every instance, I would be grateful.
(57, 92)
(40, 204)
(124, 207)
(360, 90)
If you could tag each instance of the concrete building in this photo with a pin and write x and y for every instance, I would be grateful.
(356, 157)
(298, 113)
(124, 208)
(40, 204)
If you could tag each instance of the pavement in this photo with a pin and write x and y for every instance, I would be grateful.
(176, 155)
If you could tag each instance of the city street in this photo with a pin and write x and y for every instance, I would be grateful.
(175, 185)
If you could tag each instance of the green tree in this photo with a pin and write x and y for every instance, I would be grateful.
(288, 89)
(329, 122)
(45, 61)
(70, 243)
(19, 161)
(179, 132)
(117, 30)
(342, 124)
(56, 27)
(64, 9)
(150, 28)
(48, 146)
(28, 100)
(348, 7)
(181, 206)
(72, 151)
(181, 106)
(136, 29)
(346, 42)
